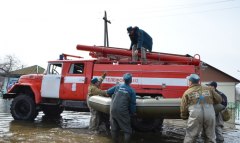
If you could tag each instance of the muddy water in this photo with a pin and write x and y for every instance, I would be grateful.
(71, 127)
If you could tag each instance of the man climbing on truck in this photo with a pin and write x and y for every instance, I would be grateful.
(140, 40)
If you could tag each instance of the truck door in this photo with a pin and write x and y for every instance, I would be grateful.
(74, 82)
(51, 81)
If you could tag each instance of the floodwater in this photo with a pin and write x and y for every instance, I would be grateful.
(71, 127)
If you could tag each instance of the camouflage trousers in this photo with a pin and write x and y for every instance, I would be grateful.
(99, 122)
(94, 120)
(219, 128)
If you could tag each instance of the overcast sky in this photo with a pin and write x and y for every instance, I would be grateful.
(36, 31)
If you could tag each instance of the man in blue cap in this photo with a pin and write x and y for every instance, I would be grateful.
(219, 118)
(140, 41)
(197, 106)
(93, 90)
(123, 106)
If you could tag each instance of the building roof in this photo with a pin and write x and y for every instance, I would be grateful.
(210, 73)
(28, 70)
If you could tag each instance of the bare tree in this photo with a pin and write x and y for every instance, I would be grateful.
(9, 63)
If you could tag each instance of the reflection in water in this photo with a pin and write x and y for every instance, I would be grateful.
(71, 127)
(44, 129)
(5, 105)
(5, 118)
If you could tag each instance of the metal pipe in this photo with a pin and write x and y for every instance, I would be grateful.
(153, 55)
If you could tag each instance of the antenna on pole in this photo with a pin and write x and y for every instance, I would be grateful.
(106, 21)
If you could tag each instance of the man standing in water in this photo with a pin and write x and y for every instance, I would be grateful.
(219, 118)
(93, 90)
(123, 106)
(197, 107)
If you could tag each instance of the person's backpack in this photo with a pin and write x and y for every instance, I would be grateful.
(226, 114)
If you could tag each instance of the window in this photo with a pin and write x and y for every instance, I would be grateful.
(55, 69)
(77, 68)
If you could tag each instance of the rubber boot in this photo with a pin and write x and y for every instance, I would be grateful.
(115, 136)
(127, 137)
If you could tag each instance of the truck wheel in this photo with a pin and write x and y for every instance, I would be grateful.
(147, 125)
(23, 108)
(52, 111)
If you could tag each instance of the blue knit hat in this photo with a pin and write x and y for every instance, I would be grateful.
(127, 78)
(194, 78)
(94, 80)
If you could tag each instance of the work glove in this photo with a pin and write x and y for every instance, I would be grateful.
(135, 52)
(104, 75)
(184, 117)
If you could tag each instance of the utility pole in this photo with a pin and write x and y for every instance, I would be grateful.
(106, 21)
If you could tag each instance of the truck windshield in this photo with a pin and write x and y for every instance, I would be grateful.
(55, 69)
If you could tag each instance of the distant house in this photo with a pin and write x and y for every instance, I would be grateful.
(28, 70)
(12, 78)
(226, 83)
(1, 82)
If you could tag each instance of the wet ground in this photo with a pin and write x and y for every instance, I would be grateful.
(71, 127)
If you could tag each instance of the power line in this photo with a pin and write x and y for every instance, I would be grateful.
(186, 6)
(154, 15)
(159, 14)
(199, 12)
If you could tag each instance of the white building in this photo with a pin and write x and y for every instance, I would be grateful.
(226, 84)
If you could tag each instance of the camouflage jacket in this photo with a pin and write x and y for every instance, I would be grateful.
(94, 90)
(191, 97)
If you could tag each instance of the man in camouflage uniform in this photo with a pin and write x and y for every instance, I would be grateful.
(219, 119)
(197, 107)
(93, 90)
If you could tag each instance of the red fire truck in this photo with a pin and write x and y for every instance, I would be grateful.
(64, 85)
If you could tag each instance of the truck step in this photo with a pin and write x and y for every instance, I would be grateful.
(75, 105)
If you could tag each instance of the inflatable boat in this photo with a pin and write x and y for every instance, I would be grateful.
(147, 107)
